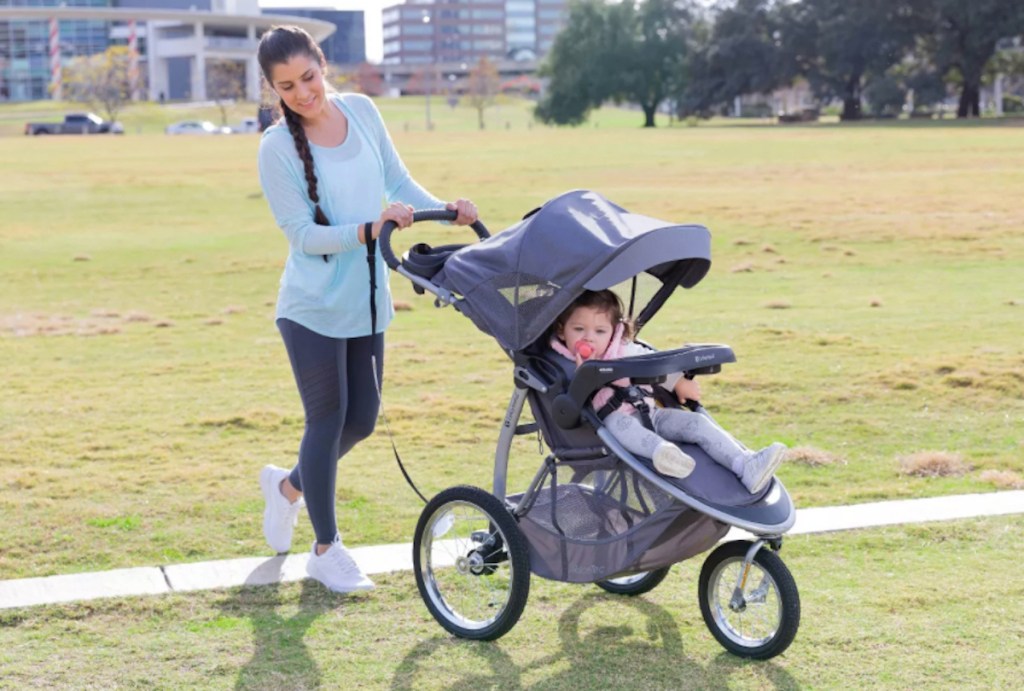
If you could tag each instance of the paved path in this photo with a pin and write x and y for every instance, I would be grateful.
(154, 580)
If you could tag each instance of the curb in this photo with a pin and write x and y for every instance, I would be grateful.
(251, 571)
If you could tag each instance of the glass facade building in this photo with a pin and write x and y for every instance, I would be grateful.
(347, 45)
(176, 41)
(25, 47)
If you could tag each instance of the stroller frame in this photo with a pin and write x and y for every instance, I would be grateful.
(737, 578)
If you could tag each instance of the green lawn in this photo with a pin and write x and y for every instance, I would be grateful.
(869, 279)
(927, 607)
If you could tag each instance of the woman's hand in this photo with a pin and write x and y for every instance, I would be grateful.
(467, 211)
(400, 213)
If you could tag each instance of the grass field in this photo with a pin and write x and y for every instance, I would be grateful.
(869, 279)
(929, 607)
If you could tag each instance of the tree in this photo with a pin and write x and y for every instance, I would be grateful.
(963, 37)
(482, 87)
(575, 86)
(225, 84)
(101, 81)
(629, 52)
(838, 45)
(738, 53)
(367, 80)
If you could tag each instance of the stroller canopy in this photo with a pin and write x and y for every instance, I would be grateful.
(516, 283)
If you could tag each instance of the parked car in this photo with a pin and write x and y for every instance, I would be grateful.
(75, 123)
(196, 127)
(248, 125)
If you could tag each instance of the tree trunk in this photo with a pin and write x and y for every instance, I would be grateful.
(970, 101)
(851, 100)
(649, 111)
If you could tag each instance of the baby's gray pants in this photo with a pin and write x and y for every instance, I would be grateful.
(674, 424)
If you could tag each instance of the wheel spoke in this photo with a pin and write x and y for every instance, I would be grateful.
(472, 592)
(759, 617)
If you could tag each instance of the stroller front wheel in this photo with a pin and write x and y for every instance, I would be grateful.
(471, 563)
(759, 619)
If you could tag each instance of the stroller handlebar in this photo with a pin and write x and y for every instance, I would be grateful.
(393, 261)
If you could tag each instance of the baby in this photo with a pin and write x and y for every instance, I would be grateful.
(593, 328)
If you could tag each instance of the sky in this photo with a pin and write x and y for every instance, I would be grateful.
(371, 18)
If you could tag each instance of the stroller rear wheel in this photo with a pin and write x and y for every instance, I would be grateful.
(758, 619)
(637, 584)
(471, 563)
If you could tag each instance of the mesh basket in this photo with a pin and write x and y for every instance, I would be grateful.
(595, 520)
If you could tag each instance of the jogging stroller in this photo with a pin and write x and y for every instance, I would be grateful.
(593, 513)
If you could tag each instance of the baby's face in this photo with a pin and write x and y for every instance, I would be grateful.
(588, 325)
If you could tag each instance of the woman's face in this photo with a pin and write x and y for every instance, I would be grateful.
(588, 325)
(300, 84)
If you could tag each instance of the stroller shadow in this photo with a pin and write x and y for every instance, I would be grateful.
(496, 670)
(280, 658)
(619, 655)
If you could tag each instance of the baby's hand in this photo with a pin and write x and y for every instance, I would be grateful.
(687, 389)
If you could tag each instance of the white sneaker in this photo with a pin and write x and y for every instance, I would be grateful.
(760, 468)
(670, 460)
(280, 515)
(337, 570)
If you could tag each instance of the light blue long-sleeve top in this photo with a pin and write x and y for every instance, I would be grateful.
(353, 180)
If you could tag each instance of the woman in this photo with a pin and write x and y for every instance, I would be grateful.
(325, 169)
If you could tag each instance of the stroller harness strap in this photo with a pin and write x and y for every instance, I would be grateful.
(371, 261)
(632, 395)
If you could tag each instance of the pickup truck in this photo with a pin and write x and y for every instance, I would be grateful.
(75, 123)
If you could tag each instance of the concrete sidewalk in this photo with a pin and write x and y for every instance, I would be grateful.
(155, 580)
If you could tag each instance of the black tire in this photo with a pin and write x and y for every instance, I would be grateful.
(637, 584)
(471, 563)
(766, 621)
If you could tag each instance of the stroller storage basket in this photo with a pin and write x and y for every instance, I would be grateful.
(594, 520)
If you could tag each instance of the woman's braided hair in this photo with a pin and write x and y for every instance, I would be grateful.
(277, 46)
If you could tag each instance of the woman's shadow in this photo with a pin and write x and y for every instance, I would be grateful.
(280, 658)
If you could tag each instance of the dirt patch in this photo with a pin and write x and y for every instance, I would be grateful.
(1003, 479)
(993, 375)
(812, 457)
(27, 324)
(934, 464)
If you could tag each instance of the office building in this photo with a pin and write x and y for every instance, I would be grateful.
(453, 31)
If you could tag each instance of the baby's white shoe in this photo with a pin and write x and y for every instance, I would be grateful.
(758, 471)
(670, 460)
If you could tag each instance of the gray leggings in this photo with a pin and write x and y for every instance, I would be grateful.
(339, 396)
(674, 424)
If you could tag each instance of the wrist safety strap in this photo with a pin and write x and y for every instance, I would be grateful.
(371, 261)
